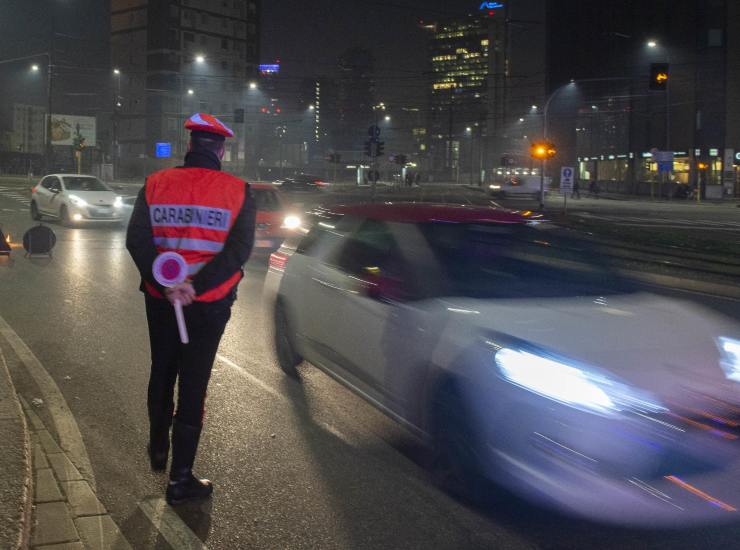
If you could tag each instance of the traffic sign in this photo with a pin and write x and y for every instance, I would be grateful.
(373, 131)
(567, 176)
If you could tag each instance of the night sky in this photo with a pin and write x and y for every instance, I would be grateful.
(308, 37)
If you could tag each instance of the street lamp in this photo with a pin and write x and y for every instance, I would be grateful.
(252, 85)
(200, 58)
(191, 91)
(35, 68)
(387, 118)
(652, 44)
(118, 105)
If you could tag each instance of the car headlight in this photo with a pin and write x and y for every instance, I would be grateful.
(494, 187)
(77, 201)
(730, 351)
(573, 385)
(118, 203)
(291, 222)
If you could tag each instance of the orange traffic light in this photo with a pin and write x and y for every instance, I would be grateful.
(542, 150)
(659, 76)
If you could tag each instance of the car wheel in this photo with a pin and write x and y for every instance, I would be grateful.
(64, 216)
(35, 214)
(288, 357)
(456, 452)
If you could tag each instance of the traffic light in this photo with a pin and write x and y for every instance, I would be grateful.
(369, 148)
(542, 150)
(381, 148)
(659, 76)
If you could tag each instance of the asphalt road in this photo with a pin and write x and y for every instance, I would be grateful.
(295, 465)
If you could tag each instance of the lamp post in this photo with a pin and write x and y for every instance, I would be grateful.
(116, 114)
(49, 89)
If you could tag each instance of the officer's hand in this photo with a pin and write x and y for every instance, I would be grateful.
(184, 292)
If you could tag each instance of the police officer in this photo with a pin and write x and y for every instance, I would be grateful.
(208, 217)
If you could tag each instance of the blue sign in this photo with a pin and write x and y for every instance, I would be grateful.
(665, 167)
(490, 6)
(163, 150)
(270, 69)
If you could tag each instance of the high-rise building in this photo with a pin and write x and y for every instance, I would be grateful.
(177, 57)
(355, 98)
(63, 64)
(487, 72)
(610, 118)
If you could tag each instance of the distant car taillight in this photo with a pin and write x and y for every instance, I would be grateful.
(278, 261)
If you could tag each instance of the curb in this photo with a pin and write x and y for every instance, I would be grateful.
(25, 503)
(67, 512)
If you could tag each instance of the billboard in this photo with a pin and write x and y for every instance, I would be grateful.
(66, 129)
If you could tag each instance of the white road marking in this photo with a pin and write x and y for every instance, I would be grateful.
(70, 438)
(269, 389)
(168, 523)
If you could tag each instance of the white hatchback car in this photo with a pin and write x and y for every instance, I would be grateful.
(520, 358)
(74, 199)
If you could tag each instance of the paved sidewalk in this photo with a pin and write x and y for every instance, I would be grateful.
(15, 462)
(66, 513)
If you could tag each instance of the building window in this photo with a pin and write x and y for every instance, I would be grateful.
(203, 40)
(224, 44)
(204, 18)
(225, 65)
(188, 37)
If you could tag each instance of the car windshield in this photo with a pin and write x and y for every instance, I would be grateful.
(266, 200)
(505, 261)
(84, 184)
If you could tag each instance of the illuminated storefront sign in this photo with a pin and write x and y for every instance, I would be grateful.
(491, 6)
(270, 69)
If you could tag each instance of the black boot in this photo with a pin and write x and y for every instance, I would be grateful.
(184, 486)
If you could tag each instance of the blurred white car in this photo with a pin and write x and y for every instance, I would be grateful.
(520, 359)
(75, 199)
(519, 186)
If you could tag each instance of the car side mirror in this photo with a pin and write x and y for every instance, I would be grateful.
(55, 190)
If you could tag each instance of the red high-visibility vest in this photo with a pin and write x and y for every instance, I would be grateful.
(192, 211)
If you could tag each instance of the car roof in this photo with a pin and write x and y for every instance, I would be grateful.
(408, 212)
(70, 176)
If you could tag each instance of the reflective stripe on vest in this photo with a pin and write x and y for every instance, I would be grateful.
(192, 211)
(188, 244)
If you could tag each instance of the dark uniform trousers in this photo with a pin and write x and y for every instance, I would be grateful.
(188, 364)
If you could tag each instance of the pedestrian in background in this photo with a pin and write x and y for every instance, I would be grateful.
(576, 189)
(208, 217)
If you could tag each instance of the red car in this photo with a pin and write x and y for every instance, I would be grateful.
(274, 222)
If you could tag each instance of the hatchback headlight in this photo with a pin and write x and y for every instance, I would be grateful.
(77, 201)
(730, 351)
(118, 203)
(571, 384)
